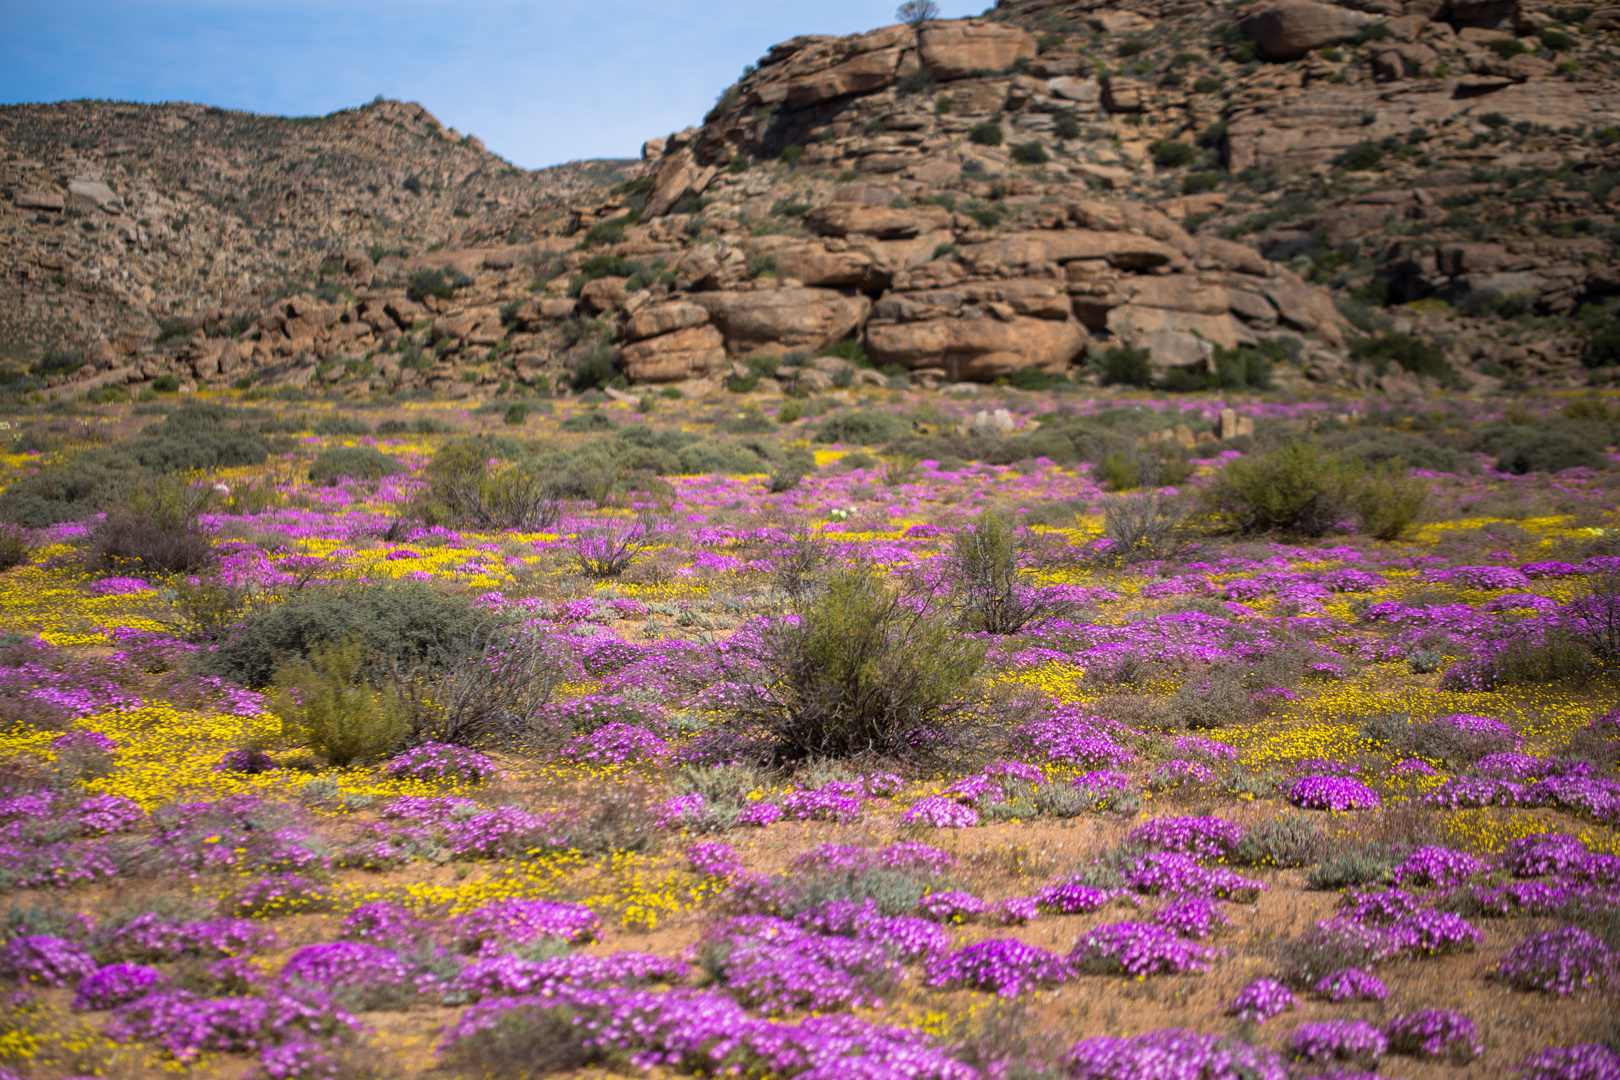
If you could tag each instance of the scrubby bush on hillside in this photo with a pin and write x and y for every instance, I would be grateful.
(405, 624)
(864, 427)
(156, 530)
(987, 581)
(327, 703)
(352, 463)
(861, 670)
(1294, 488)
(339, 424)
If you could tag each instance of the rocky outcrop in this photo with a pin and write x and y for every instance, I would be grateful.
(1289, 29)
(687, 353)
(775, 320)
(959, 49)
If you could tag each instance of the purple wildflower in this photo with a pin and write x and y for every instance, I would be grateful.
(1005, 966)
(1261, 1000)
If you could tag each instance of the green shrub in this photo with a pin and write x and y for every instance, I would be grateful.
(1145, 528)
(353, 463)
(327, 704)
(84, 484)
(1030, 153)
(1507, 48)
(407, 623)
(1388, 499)
(1198, 182)
(1208, 84)
(1377, 445)
(15, 547)
(1068, 125)
(1556, 40)
(338, 424)
(1361, 157)
(862, 671)
(1294, 488)
(593, 370)
(1171, 155)
(1131, 47)
(1126, 367)
(166, 384)
(1547, 450)
(986, 134)
(1365, 867)
(1292, 840)
(589, 420)
(863, 427)
(1239, 369)
(791, 154)
(1412, 353)
(517, 414)
(438, 283)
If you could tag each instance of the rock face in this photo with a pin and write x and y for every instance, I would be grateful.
(1290, 29)
(687, 353)
(956, 50)
(773, 320)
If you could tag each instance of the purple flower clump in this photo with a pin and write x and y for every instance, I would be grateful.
(1336, 793)
(941, 813)
(822, 805)
(1261, 1000)
(714, 860)
(950, 906)
(511, 975)
(115, 984)
(1204, 837)
(1351, 984)
(776, 966)
(1073, 897)
(1542, 853)
(440, 761)
(153, 938)
(1434, 1033)
(759, 814)
(1167, 872)
(347, 964)
(615, 744)
(1437, 867)
(1557, 962)
(101, 814)
(1338, 1040)
(1192, 916)
(1176, 773)
(506, 923)
(1138, 948)
(1173, 1054)
(45, 960)
(382, 921)
(1586, 1061)
(1004, 966)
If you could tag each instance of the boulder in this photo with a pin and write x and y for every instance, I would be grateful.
(981, 349)
(1177, 292)
(1083, 91)
(604, 294)
(860, 74)
(959, 49)
(1305, 307)
(91, 194)
(846, 218)
(681, 354)
(774, 320)
(1125, 251)
(1136, 325)
(663, 319)
(1174, 349)
(38, 200)
(678, 175)
(812, 264)
(1292, 28)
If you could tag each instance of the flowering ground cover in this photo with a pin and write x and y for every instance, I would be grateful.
(496, 763)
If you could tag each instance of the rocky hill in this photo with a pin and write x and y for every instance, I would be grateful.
(1376, 194)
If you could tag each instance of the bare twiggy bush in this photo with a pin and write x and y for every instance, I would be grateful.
(489, 692)
(796, 563)
(1146, 527)
(607, 552)
(988, 584)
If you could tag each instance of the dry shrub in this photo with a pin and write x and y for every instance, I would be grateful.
(1146, 527)
(489, 691)
(862, 670)
(327, 704)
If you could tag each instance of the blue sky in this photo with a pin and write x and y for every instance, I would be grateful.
(541, 82)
